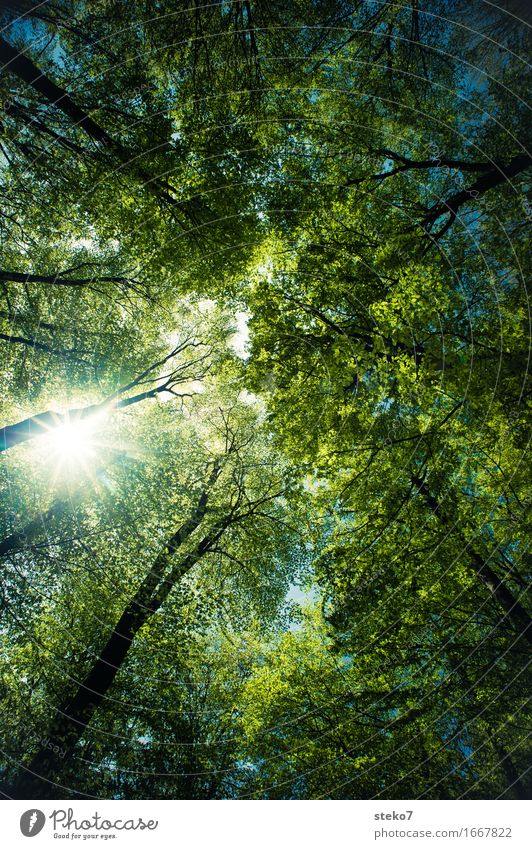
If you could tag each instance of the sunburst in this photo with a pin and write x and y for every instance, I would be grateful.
(72, 444)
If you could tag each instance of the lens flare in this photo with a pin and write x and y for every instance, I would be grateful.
(71, 441)
(71, 444)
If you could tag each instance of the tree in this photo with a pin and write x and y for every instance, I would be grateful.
(235, 494)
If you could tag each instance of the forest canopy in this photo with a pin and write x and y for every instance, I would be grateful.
(264, 350)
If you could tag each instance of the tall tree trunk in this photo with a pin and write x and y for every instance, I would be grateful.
(60, 280)
(487, 181)
(22, 67)
(517, 784)
(513, 608)
(74, 714)
(38, 425)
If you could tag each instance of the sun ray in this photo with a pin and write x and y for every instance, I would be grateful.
(72, 444)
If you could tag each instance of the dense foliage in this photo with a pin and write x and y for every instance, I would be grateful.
(264, 339)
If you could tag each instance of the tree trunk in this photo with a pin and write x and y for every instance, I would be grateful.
(38, 425)
(515, 610)
(516, 784)
(487, 181)
(59, 280)
(74, 714)
(22, 67)
(512, 607)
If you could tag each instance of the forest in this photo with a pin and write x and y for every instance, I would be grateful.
(264, 351)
